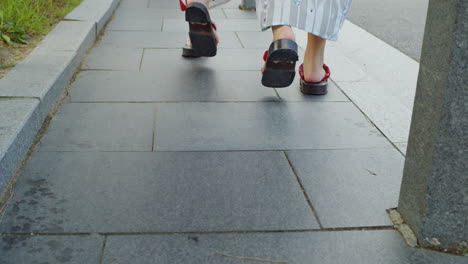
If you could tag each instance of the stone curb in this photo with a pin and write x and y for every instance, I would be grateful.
(30, 90)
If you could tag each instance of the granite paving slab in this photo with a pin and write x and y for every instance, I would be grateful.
(50, 249)
(120, 23)
(256, 40)
(19, 122)
(166, 85)
(237, 13)
(352, 187)
(402, 147)
(141, 39)
(151, 13)
(115, 192)
(293, 93)
(107, 58)
(226, 59)
(345, 247)
(101, 127)
(223, 25)
(263, 126)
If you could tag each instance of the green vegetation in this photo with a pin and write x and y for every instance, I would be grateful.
(22, 19)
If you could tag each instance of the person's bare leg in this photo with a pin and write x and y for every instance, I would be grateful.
(314, 58)
(282, 32)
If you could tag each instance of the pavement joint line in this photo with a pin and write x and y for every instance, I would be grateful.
(279, 97)
(311, 206)
(201, 151)
(6, 98)
(240, 41)
(370, 120)
(224, 13)
(103, 248)
(153, 139)
(141, 60)
(181, 102)
(162, 24)
(337, 229)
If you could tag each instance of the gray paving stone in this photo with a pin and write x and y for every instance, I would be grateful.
(226, 59)
(157, 192)
(171, 84)
(140, 39)
(50, 249)
(223, 25)
(345, 247)
(103, 127)
(133, 4)
(293, 93)
(43, 75)
(237, 13)
(96, 11)
(402, 147)
(256, 40)
(77, 36)
(353, 187)
(135, 23)
(108, 58)
(19, 122)
(263, 126)
(151, 13)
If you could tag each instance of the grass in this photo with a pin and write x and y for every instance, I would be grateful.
(22, 19)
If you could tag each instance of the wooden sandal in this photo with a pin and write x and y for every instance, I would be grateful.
(280, 63)
(317, 88)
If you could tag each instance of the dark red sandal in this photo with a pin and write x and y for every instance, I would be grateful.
(280, 60)
(201, 32)
(317, 88)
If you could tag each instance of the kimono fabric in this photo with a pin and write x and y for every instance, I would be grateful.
(323, 18)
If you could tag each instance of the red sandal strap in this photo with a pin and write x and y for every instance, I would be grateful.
(265, 56)
(325, 78)
(183, 5)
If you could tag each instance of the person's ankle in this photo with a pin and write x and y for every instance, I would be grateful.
(283, 32)
(313, 72)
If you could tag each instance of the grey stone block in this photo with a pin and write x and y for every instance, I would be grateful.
(263, 126)
(345, 247)
(434, 190)
(63, 192)
(353, 187)
(171, 84)
(226, 59)
(256, 40)
(237, 13)
(135, 39)
(19, 122)
(43, 75)
(152, 13)
(107, 58)
(96, 11)
(50, 249)
(102, 127)
(76, 36)
(402, 147)
(135, 23)
(223, 25)
(293, 93)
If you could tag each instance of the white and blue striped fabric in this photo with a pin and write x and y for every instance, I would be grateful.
(323, 18)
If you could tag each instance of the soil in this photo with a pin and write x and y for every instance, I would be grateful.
(12, 55)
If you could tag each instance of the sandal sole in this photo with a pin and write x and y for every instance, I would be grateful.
(201, 32)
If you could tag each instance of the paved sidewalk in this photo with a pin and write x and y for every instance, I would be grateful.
(159, 159)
